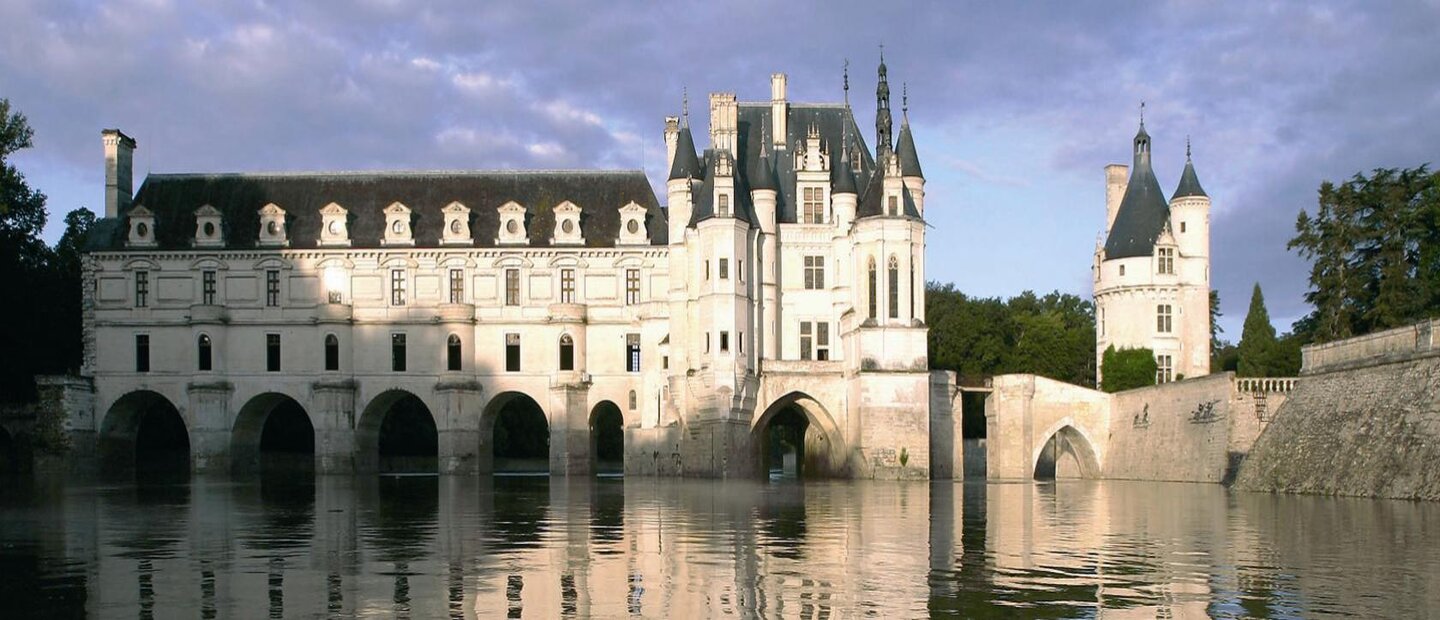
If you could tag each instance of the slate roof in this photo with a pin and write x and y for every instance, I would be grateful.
(905, 149)
(837, 128)
(686, 164)
(1189, 183)
(173, 198)
(872, 201)
(1143, 211)
(743, 208)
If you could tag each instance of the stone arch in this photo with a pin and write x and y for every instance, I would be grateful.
(144, 431)
(607, 438)
(515, 434)
(821, 450)
(273, 431)
(397, 432)
(1067, 451)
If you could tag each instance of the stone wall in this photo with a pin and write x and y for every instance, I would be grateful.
(1354, 429)
(1175, 432)
(1392, 344)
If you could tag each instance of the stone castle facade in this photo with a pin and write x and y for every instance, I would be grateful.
(782, 284)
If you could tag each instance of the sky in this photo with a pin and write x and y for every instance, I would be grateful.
(1016, 107)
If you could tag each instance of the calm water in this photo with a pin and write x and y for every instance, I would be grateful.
(428, 547)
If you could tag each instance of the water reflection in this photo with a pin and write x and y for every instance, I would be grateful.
(531, 547)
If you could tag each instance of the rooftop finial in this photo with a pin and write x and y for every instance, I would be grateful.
(1187, 147)
(905, 100)
(882, 53)
(1142, 113)
(847, 82)
(685, 105)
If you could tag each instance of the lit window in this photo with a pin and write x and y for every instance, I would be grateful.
(142, 353)
(397, 352)
(272, 288)
(142, 288)
(632, 286)
(567, 286)
(397, 287)
(632, 352)
(207, 287)
(202, 353)
(814, 205)
(814, 272)
(452, 353)
(457, 285)
(512, 287)
(1162, 318)
(512, 352)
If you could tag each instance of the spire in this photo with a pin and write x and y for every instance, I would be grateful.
(904, 103)
(684, 106)
(883, 145)
(1142, 143)
(1189, 183)
(763, 176)
(842, 178)
(847, 83)
(686, 165)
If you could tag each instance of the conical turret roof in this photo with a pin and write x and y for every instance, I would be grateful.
(909, 159)
(687, 164)
(1189, 183)
(1143, 210)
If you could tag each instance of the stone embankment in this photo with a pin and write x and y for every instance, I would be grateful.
(1363, 421)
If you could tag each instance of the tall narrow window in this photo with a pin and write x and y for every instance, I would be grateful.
(724, 269)
(632, 286)
(142, 353)
(740, 269)
(740, 341)
(452, 353)
(894, 283)
(814, 205)
(632, 352)
(567, 352)
(914, 288)
(822, 341)
(457, 286)
(142, 288)
(1164, 369)
(807, 340)
(332, 352)
(272, 352)
(707, 270)
(202, 353)
(873, 287)
(567, 286)
(207, 287)
(634, 400)
(512, 352)
(397, 287)
(724, 342)
(397, 352)
(814, 272)
(724, 208)
(1166, 260)
(894, 204)
(1163, 318)
(272, 288)
(512, 287)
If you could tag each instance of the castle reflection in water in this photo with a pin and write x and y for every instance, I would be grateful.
(462, 547)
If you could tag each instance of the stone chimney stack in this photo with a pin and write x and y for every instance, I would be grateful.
(672, 134)
(779, 110)
(1116, 179)
(119, 170)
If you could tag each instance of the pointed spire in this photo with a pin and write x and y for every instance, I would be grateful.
(883, 144)
(763, 176)
(904, 103)
(842, 178)
(1142, 142)
(847, 83)
(1189, 182)
(684, 106)
(686, 165)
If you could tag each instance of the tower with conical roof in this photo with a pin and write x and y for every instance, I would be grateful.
(1152, 269)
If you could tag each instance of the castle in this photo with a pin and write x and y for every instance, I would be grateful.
(769, 316)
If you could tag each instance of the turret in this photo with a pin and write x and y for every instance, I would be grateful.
(909, 159)
(1143, 211)
(1190, 217)
(764, 191)
(684, 170)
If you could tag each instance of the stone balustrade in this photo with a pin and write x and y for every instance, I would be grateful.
(1267, 385)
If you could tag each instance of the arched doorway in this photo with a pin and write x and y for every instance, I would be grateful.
(607, 439)
(1067, 454)
(273, 434)
(518, 433)
(796, 438)
(397, 434)
(143, 433)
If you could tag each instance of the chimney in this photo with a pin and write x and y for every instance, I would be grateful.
(1115, 183)
(119, 165)
(779, 110)
(724, 123)
(672, 134)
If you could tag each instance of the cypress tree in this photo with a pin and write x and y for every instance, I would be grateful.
(1259, 349)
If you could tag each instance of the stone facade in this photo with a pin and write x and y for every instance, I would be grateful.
(782, 281)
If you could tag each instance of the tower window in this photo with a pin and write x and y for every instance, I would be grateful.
(397, 352)
(814, 205)
(632, 352)
(452, 353)
(632, 286)
(724, 269)
(1162, 318)
(724, 342)
(707, 270)
(724, 202)
(272, 288)
(142, 353)
(142, 288)
(512, 352)
(873, 291)
(512, 287)
(1122, 270)
(567, 286)
(814, 272)
(397, 287)
(634, 400)
(894, 205)
(272, 352)
(1166, 260)
(567, 352)
(207, 287)
(332, 352)
(894, 288)
(1182, 227)
(202, 353)
(457, 285)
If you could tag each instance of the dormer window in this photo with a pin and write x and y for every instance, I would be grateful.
(207, 228)
(723, 208)
(142, 228)
(1165, 260)
(334, 230)
(457, 225)
(632, 227)
(813, 204)
(397, 225)
(512, 224)
(272, 226)
(567, 225)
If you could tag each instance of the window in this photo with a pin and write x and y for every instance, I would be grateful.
(272, 352)
(814, 272)
(1167, 260)
(740, 341)
(724, 209)
(707, 270)
(740, 269)
(724, 269)
(814, 205)
(822, 341)
(142, 288)
(567, 286)
(873, 286)
(512, 352)
(1122, 270)
(632, 286)
(665, 362)
(397, 352)
(272, 288)
(1164, 369)
(457, 285)
(814, 340)
(512, 287)
(724, 342)
(207, 287)
(202, 353)
(452, 353)
(142, 353)
(894, 205)
(397, 287)
(1162, 318)
(914, 288)
(567, 352)
(634, 400)
(894, 287)
(632, 352)
(332, 352)
(1182, 227)
(707, 342)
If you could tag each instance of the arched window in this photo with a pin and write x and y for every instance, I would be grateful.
(452, 353)
(332, 352)
(202, 350)
(873, 291)
(567, 352)
(894, 287)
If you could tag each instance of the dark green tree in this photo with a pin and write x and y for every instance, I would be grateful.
(1260, 353)
(1127, 369)
(25, 262)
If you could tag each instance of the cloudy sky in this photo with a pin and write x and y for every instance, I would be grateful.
(1016, 108)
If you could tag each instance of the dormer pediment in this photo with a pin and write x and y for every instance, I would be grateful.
(567, 225)
(512, 224)
(208, 233)
(398, 229)
(272, 226)
(457, 225)
(142, 228)
(334, 226)
(632, 225)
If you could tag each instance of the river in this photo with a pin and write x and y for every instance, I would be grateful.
(532, 547)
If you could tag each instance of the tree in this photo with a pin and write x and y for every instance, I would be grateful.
(24, 263)
(1052, 336)
(1127, 369)
(1260, 353)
